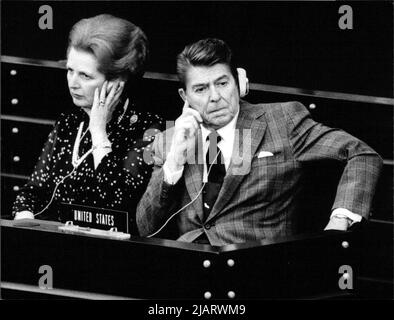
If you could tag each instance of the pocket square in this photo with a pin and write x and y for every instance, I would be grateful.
(263, 154)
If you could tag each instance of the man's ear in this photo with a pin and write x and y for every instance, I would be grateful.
(182, 93)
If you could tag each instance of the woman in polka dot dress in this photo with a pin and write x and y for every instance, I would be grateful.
(94, 155)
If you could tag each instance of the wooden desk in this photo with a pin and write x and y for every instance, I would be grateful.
(297, 267)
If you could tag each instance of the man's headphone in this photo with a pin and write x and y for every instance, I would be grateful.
(243, 82)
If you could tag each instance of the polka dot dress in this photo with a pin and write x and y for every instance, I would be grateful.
(117, 183)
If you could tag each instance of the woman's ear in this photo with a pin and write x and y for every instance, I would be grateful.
(182, 94)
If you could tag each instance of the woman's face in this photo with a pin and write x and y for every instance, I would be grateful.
(83, 77)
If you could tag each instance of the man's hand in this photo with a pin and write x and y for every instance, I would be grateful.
(186, 127)
(338, 223)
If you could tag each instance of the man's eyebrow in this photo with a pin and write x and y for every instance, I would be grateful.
(225, 76)
(202, 84)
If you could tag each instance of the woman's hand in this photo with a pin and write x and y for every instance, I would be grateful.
(102, 108)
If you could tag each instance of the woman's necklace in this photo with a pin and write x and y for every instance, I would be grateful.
(76, 160)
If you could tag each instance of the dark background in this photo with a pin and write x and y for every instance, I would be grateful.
(296, 44)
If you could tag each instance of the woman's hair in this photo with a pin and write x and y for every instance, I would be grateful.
(120, 47)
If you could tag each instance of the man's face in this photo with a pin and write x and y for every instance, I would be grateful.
(213, 92)
(83, 77)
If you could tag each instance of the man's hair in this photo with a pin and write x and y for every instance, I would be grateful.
(204, 53)
(120, 47)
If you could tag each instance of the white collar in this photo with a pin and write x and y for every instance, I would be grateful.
(225, 132)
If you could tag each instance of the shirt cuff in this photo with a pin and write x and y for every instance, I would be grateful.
(345, 213)
(171, 177)
(24, 215)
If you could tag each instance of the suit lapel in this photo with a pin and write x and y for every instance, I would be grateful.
(248, 136)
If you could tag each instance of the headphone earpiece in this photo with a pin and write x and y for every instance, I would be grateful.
(243, 82)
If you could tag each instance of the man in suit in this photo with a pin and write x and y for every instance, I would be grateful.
(229, 171)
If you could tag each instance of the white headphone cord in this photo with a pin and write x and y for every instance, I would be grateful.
(54, 191)
(188, 204)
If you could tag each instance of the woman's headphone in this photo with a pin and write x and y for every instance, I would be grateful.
(243, 82)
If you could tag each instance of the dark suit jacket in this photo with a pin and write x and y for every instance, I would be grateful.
(258, 196)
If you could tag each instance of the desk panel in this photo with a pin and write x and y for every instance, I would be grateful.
(296, 267)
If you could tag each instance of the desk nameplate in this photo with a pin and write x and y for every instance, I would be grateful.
(94, 217)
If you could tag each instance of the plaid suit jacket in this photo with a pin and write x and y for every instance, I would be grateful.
(257, 200)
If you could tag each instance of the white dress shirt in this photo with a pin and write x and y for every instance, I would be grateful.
(227, 134)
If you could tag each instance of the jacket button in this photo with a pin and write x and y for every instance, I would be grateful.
(207, 226)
